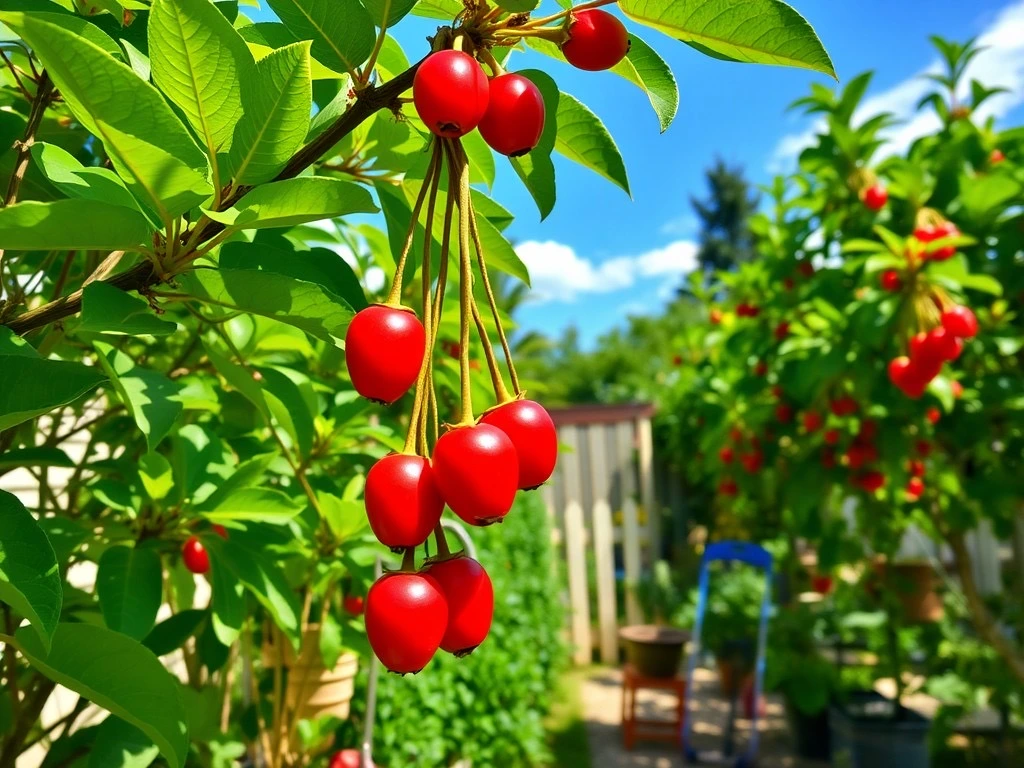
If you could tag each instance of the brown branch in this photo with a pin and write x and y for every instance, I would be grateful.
(44, 92)
(142, 275)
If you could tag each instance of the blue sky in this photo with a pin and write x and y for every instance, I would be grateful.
(601, 256)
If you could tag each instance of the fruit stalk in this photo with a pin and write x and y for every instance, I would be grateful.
(394, 298)
(465, 286)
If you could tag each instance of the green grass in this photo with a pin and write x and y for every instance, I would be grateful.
(567, 732)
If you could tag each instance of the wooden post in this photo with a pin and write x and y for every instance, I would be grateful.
(648, 496)
(630, 524)
(575, 547)
(604, 546)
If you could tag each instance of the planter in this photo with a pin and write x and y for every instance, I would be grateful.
(810, 733)
(915, 585)
(871, 731)
(321, 691)
(655, 651)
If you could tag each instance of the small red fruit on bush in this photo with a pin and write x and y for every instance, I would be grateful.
(891, 281)
(821, 584)
(805, 268)
(752, 461)
(933, 415)
(923, 448)
(354, 605)
(384, 349)
(347, 758)
(996, 157)
(761, 368)
(960, 321)
(195, 556)
(514, 120)
(871, 481)
(957, 389)
(727, 487)
(726, 455)
(450, 93)
(843, 406)
(403, 503)
(788, 284)
(781, 330)
(532, 432)
(784, 413)
(875, 197)
(828, 458)
(900, 371)
(470, 596)
(945, 229)
(812, 421)
(915, 487)
(597, 40)
(736, 435)
(220, 530)
(477, 472)
(926, 233)
(916, 467)
(868, 430)
(831, 436)
(715, 316)
(406, 617)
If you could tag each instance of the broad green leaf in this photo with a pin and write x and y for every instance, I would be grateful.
(75, 224)
(446, 10)
(248, 474)
(149, 396)
(330, 641)
(277, 100)
(121, 745)
(289, 408)
(30, 386)
(129, 585)
(341, 30)
(535, 168)
(265, 505)
(518, 6)
(648, 71)
(305, 305)
(345, 518)
(63, 170)
(953, 274)
(583, 138)
(81, 27)
(295, 201)
(119, 674)
(29, 578)
(36, 456)
(387, 13)
(148, 145)
(499, 253)
(228, 602)
(481, 159)
(756, 31)
(199, 62)
(265, 37)
(167, 636)
(106, 309)
(156, 475)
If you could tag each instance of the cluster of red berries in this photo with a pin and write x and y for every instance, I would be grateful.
(744, 309)
(750, 455)
(453, 96)
(929, 350)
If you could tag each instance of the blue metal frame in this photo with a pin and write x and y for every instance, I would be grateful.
(758, 557)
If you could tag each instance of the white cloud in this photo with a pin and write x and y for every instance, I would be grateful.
(686, 224)
(558, 273)
(1000, 64)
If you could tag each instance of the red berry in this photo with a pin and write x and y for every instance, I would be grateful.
(788, 284)
(725, 455)
(996, 157)
(859, 454)
(868, 430)
(677, 360)
(828, 458)
(933, 415)
(821, 584)
(450, 93)
(403, 503)
(784, 413)
(891, 281)
(220, 530)
(843, 406)
(761, 368)
(532, 432)
(831, 436)
(957, 389)
(597, 40)
(736, 435)
(777, 392)
(945, 229)
(477, 471)
(926, 233)
(353, 605)
(727, 487)
(923, 448)
(916, 468)
(960, 321)
(752, 462)
(875, 197)
(715, 316)
(470, 596)
(806, 268)
(514, 120)
(812, 421)
(781, 330)
(900, 371)
(945, 345)
(347, 758)
(384, 349)
(195, 556)
(871, 481)
(406, 616)
(915, 487)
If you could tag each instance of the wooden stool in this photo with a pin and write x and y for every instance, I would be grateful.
(651, 730)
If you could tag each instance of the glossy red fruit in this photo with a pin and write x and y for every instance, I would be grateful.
(477, 471)
(220, 530)
(384, 349)
(960, 321)
(752, 462)
(347, 758)
(805, 268)
(944, 344)
(871, 481)
(403, 503)
(923, 448)
(406, 617)
(727, 487)
(915, 487)
(891, 281)
(781, 330)
(726, 455)
(470, 596)
(945, 229)
(821, 584)
(597, 40)
(812, 421)
(532, 432)
(859, 454)
(926, 233)
(996, 157)
(900, 371)
(916, 468)
(514, 120)
(933, 415)
(736, 435)
(195, 556)
(450, 93)
(354, 605)
(715, 316)
(831, 436)
(843, 406)
(784, 413)
(875, 197)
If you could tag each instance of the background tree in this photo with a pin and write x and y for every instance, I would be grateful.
(725, 239)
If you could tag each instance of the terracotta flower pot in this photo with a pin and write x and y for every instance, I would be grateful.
(654, 650)
(321, 691)
(915, 585)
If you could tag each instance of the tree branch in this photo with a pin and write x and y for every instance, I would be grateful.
(142, 275)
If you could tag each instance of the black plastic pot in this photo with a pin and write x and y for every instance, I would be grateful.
(871, 731)
(655, 651)
(810, 733)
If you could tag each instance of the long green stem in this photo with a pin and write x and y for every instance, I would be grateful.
(394, 296)
(500, 393)
(465, 288)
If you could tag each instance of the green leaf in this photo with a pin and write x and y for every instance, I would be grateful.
(341, 30)
(264, 37)
(330, 641)
(199, 62)
(228, 602)
(146, 142)
(264, 505)
(169, 635)
(156, 475)
(387, 13)
(583, 138)
(121, 745)
(36, 456)
(648, 71)
(106, 309)
(306, 305)
(119, 674)
(535, 168)
(81, 27)
(295, 201)
(149, 396)
(277, 100)
(29, 578)
(952, 273)
(499, 253)
(248, 474)
(129, 584)
(63, 170)
(445, 10)
(756, 31)
(289, 408)
(75, 224)
(30, 386)
(345, 517)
